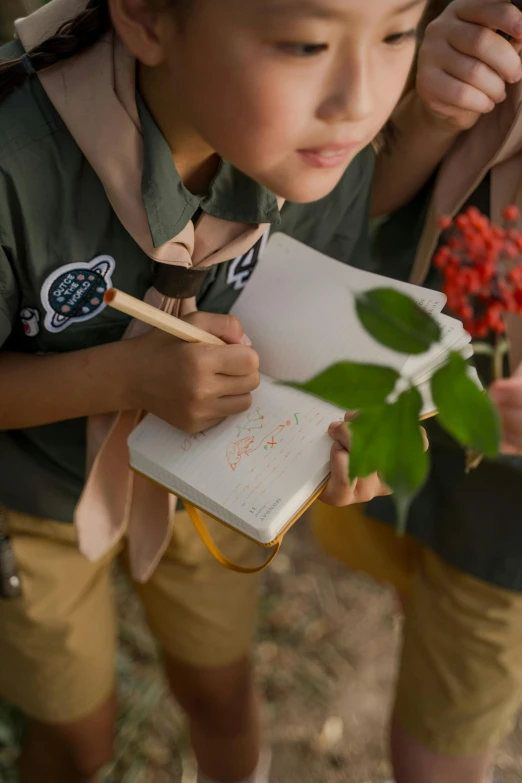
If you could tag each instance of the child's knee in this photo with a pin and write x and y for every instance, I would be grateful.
(221, 701)
(83, 747)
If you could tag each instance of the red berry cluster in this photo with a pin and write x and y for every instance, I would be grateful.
(482, 278)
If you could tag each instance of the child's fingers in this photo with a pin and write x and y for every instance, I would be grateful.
(486, 46)
(511, 422)
(495, 15)
(507, 396)
(227, 327)
(339, 491)
(471, 71)
(226, 385)
(370, 487)
(464, 64)
(233, 360)
(507, 393)
(444, 93)
(338, 431)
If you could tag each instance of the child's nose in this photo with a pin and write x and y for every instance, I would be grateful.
(350, 98)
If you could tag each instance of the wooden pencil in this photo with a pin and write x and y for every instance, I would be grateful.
(158, 319)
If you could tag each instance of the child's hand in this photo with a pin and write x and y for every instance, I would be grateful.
(191, 385)
(507, 394)
(464, 64)
(339, 491)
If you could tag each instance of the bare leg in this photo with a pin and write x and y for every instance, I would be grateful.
(69, 753)
(223, 710)
(413, 763)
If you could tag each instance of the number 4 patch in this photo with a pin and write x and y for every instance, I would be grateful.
(240, 269)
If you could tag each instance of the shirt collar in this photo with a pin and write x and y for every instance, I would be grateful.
(169, 205)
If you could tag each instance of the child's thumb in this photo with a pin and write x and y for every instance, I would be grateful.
(226, 327)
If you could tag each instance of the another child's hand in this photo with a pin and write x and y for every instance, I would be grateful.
(340, 491)
(464, 64)
(193, 386)
(507, 394)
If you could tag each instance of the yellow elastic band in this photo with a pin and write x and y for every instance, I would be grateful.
(207, 539)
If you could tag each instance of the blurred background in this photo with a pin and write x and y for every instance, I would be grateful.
(13, 9)
(326, 658)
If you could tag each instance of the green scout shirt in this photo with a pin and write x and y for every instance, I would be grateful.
(471, 521)
(61, 246)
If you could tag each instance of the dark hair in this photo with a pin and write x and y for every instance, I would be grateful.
(71, 38)
(87, 27)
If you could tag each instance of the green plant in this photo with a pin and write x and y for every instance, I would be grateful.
(386, 436)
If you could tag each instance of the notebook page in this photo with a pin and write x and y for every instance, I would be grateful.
(298, 310)
(255, 470)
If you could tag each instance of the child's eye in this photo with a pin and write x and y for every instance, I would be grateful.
(302, 49)
(397, 38)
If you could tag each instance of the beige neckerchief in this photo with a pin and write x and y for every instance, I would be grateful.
(493, 145)
(94, 93)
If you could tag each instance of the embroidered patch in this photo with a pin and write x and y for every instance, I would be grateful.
(30, 318)
(240, 269)
(74, 293)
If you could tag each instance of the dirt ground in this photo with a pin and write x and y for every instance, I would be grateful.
(326, 662)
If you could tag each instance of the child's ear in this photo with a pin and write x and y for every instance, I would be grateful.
(140, 24)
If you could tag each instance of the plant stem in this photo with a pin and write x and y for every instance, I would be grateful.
(483, 349)
(497, 353)
(498, 361)
(500, 350)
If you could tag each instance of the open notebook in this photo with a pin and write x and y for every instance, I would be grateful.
(258, 471)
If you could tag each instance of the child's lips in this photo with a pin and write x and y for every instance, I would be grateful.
(329, 156)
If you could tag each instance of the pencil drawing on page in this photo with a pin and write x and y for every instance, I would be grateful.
(246, 446)
(253, 421)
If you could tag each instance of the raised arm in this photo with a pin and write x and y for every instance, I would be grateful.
(462, 72)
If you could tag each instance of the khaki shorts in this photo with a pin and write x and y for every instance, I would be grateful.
(460, 680)
(57, 642)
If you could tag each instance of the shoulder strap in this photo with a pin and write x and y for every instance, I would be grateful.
(212, 547)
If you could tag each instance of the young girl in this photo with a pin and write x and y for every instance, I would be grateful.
(459, 687)
(150, 145)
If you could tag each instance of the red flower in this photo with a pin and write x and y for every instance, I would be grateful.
(481, 267)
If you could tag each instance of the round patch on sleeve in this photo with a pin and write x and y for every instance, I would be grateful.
(74, 293)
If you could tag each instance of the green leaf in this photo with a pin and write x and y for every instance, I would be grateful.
(396, 321)
(352, 386)
(387, 440)
(464, 410)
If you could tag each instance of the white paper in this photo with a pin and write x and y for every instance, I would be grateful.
(454, 338)
(298, 310)
(255, 470)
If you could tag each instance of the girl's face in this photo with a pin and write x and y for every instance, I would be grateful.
(289, 91)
